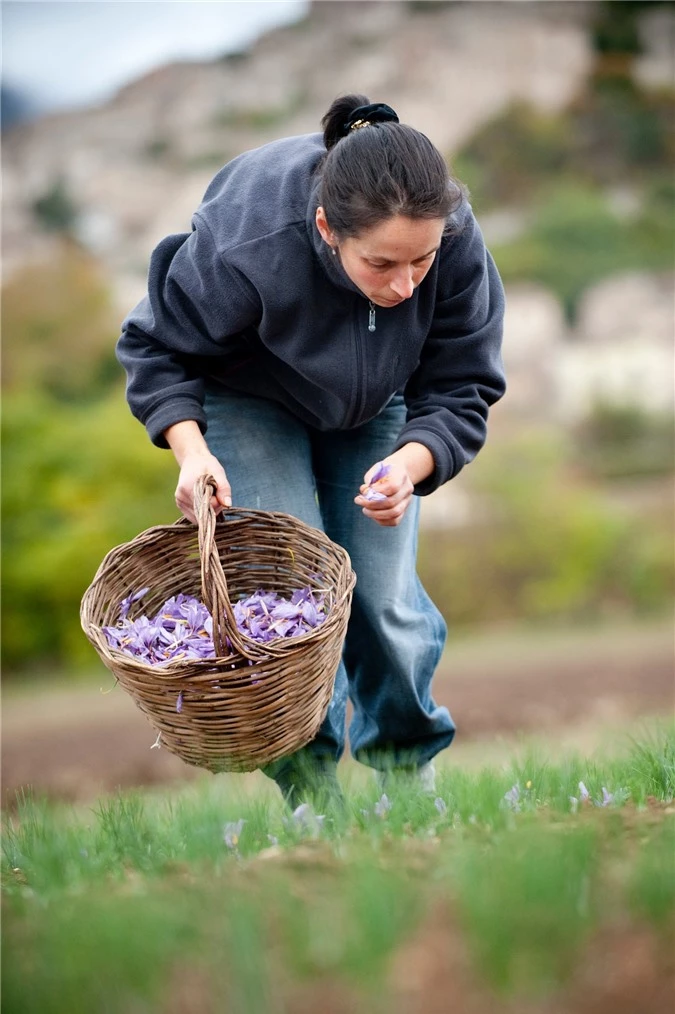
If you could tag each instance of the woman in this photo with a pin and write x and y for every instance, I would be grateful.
(333, 308)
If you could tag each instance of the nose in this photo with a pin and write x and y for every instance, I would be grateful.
(402, 283)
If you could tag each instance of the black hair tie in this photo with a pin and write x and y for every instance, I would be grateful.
(364, 116)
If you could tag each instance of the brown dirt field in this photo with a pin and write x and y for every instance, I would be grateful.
(624, 969)
(573, 688)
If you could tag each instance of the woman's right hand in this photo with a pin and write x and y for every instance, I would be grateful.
(194, 466)
(195, 459)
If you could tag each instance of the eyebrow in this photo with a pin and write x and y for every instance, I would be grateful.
(385, 260)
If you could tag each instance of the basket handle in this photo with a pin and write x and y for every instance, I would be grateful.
(214, 585)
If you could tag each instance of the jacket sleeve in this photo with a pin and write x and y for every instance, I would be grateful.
(194, 302)
(460, 373)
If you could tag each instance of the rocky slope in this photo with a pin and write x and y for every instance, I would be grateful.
(135, 168)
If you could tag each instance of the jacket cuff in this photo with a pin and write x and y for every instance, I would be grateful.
(173, 412)
(446, 467)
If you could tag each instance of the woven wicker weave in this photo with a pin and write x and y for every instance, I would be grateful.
(260, 702)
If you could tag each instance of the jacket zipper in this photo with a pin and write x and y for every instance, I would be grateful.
(360, 363)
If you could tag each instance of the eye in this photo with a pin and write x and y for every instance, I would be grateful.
(378, 267)
(426, 258)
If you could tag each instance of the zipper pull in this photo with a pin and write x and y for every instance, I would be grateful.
(371, 317)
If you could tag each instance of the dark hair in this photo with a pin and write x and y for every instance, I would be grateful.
(375, 172)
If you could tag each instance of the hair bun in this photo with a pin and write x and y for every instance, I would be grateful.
(340, 111)
(374, 112)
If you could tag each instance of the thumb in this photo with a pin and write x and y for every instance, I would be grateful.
(223, 492)
(376, 472)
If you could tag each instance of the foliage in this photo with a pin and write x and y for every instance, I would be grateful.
(150, 888)
(55, 210)
(157, 149)
(538, 887)
(559, 170)
(575, 240)
(553, 548)
(626, 441)
(615, 27)
(261, 117)
(612, 133)
(77, 480)
(427, 6)
(510, 158)
(59, 328)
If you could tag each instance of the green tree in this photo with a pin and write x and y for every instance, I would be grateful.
(77, 480)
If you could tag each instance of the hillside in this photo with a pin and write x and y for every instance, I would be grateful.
(126, 173)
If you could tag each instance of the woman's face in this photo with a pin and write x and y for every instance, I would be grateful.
(388, 261)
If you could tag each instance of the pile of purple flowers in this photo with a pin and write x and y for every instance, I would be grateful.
(183, 627)
(265, 616)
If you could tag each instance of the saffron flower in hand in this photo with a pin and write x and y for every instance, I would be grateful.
(381, 472)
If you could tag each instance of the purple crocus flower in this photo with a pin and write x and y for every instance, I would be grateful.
(441, 806)
(232, 832)
(381, 471)
(583, 800)
(512, 798)
(183, 627)
(382, 806)
(305, 820)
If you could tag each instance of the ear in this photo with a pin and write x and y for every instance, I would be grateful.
(325, 230)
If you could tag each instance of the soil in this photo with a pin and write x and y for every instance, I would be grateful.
(568, 688)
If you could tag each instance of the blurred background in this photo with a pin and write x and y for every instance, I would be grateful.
(551, 556)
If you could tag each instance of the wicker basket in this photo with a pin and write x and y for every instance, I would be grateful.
(260, 702)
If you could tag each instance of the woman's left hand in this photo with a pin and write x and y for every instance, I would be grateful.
(396, 489)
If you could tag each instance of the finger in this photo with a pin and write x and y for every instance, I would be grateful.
(389, 516)
(391, 500)
(187, 512)
(223, 490)
(223, 495)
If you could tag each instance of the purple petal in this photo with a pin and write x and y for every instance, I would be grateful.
(286, 611)
(382, 806)
(512, 797)
(126, 603)
(381, 472)
(232, 832)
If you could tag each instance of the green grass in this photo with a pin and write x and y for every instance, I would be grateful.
(138, 903)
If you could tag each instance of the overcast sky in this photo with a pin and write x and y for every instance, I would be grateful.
(65, 53)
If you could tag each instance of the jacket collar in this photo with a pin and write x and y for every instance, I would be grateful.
(329, 261)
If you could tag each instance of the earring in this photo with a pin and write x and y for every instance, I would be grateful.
(333, 251)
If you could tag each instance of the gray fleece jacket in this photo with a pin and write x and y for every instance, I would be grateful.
(253, 299)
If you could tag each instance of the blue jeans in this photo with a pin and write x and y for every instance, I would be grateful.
(395, 634)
